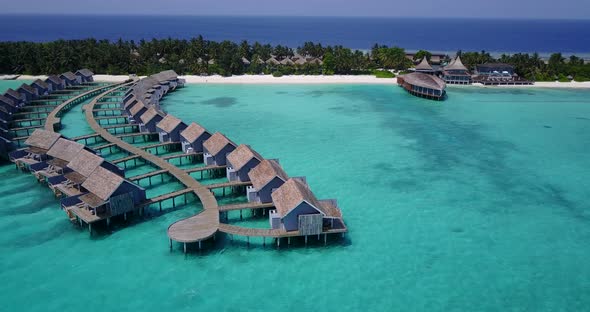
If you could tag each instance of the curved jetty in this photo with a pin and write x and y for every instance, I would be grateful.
(94, 189)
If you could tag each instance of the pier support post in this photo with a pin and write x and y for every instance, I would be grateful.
(108, 222)
(278, 242)
(325, 238)
(305, 240)
(199, 245)
(125, 216)
(90, 228)
(288, 240)
(185, 248)
(170, 240)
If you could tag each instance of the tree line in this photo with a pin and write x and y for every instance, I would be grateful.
(198, 56)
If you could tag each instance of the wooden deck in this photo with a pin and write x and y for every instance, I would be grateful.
(245, 206)
(197, 228)
(205, 168)
(227, 184)
(180, 156)
(137, 134)
(253, 232)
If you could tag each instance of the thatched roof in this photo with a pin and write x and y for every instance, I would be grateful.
(85, 163)
(193, 132)
(85, 72)
(301, 61)
(294, 192)
(40, 83)
(54, 79)
(28, 88)
(169, 123)
(42, 139)
(102, 183)
(425, 81)
(166, 75)
(245, 61)
(137, 108)
(456, 64)
(287, 61)
(265, 172)
(150, 114)
(6, 100)
(65, 149)
(13, 93)
(239, 157)
(216, 143)
(315, 61)
(424, 65)
(272, 61)
(69, 75)
(130, 102)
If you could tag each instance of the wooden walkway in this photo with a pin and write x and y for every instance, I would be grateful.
(85, 137)
(245, 206)
(125, 159)
(193, 229)
(147, 175)
(180, 156)
(164, 197)
(227, 184)
(205, 168)
(130, 135)
(53, 117)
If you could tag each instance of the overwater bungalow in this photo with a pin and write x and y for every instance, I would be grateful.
(77, 171)
(192, 138)
(16, 97)
(55, 83)
(105, 195)
(240, 161)
(149, 120)
(84, 76)
(9, 106)
(5, 114)
(41, 86)
(297, 209)
(456, 72)
(38, 144)
(137, 110)
(266, 177)
(423, 85)
(27, 92)
(61, 153)
(69, 79)
(216, 148)
(169, 129)
(424, 67)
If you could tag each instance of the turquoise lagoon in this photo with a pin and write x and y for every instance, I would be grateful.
(479, 203)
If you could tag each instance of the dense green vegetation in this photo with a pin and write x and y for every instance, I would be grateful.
(203, 57)
(531, 67)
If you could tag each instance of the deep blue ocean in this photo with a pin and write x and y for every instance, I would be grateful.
(495, 35)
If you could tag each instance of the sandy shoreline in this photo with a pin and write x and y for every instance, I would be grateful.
(305, 79)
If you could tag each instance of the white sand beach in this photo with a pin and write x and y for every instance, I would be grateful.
(308, 79)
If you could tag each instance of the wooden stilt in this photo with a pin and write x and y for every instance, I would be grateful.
(184, 247)
(325, 238)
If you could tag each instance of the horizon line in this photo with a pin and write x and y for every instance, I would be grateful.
(283, 16)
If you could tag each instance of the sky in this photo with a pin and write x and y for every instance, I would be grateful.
(563, 9)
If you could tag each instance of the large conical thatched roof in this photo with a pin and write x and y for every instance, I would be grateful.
(456, 64)
(424, 65)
